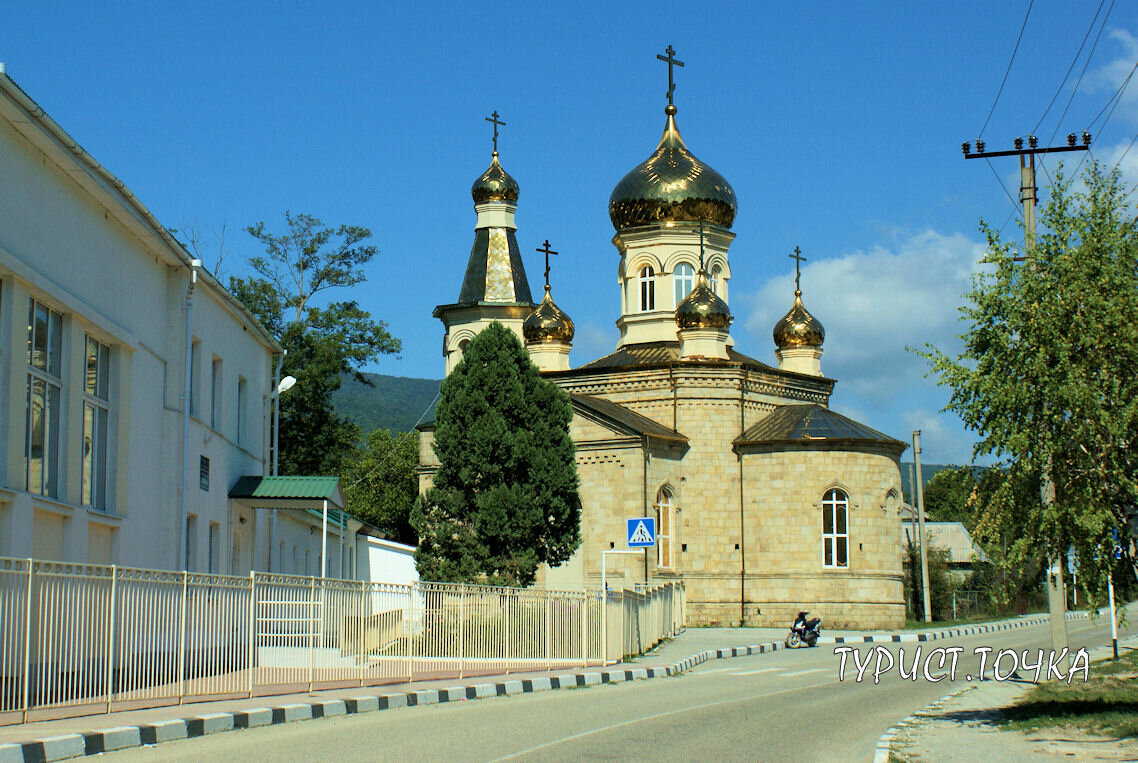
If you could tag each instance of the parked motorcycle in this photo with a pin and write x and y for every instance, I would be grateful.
(804, 631)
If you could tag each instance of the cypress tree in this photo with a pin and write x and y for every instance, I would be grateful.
(505, 495)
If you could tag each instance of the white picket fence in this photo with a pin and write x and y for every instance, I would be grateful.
(78, 639)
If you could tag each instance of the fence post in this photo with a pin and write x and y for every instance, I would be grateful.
(585, 628)
(28, 639)
(362, 632)
(548, 635)
(311, 629)
(462, 631)
(110, 660)
(252, 624)
(509, 622)
(182, 640)
(410, 618)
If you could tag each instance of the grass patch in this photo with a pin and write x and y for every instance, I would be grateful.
(1107, 704)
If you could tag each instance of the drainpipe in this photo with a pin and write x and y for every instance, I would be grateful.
(276, 446)
(742, 517)
(183, 499)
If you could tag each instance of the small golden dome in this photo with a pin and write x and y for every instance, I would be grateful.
(672, 185)
(703, 308)
(548, 323)
(798, 328)
(495, 184)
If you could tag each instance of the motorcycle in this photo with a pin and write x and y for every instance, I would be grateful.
(804, 631)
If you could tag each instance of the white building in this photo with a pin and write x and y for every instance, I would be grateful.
(99, 310)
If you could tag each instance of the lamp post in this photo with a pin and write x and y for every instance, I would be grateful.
(284, 385)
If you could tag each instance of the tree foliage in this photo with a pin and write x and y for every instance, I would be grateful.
(382, 484)
(949, 496)
(505, 495)
(322, 342)
(1049, 375)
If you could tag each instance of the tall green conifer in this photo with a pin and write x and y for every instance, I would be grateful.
(505, 495)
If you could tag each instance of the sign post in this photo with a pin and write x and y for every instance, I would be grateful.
(641, 534)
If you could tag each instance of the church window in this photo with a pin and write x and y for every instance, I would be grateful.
(715, 273)
(835, 529)
(647, 289)
(664, 528)
(684, 280)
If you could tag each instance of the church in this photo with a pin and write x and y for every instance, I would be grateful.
(766, 501)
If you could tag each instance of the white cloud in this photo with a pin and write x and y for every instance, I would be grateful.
(1109, 77)
(592, 341)
(876, 303)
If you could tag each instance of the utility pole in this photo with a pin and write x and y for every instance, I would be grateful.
(921, 520)
(1056, 590)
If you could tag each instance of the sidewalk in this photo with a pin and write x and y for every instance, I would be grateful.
(75, 737)
(955, 727)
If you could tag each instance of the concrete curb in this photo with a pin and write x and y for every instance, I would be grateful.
(885, 742)
(124, 737)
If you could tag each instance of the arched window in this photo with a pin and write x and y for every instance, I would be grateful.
(835, 529)
(684, 280)
(647, 289)
(664, 528)
(715, 273)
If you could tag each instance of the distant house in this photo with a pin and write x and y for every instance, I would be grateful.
(954, 537)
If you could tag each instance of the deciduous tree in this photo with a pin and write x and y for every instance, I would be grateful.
(1049, 373)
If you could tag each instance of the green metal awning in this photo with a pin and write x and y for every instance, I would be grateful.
(288, 492)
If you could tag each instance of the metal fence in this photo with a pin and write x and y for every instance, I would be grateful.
(81, 639)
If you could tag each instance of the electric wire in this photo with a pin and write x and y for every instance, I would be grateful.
(1113, 98)
(1008, 70)
(1117, 100)
(1070, 68)
(1124, 153)
(1000, 180)
(1086, 63)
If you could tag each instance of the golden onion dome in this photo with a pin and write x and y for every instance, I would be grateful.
(798, 328)
(548, 323)
(672, 185)
(495, 184)
(703, 308)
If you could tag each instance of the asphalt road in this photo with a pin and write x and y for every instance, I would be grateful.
(774, 706)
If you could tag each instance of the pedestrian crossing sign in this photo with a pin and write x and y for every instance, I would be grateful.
(641, 532)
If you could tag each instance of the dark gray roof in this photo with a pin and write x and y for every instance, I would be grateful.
(641, 425)
(479, 268)
(811, 423)
(650, 354)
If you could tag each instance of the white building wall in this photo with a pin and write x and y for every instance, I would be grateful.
(73, 241)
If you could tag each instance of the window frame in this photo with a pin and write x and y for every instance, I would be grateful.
(664, 521)
(682, 274)
(48, 376)
(96, 417)
(836, 541)
(647, 281)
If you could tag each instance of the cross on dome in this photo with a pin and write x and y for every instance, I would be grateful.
(493, 118)
(671, 60)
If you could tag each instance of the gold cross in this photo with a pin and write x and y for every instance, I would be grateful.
(798, 258)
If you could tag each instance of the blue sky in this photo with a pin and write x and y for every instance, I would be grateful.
(838, 126)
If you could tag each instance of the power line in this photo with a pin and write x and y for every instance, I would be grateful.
(1069, 69)
(1124, 153)
(1015, 204)
(1084, 71)
(1113, 98)
(1117, 100)
(1008, 70)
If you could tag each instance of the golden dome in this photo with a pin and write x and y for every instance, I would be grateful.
(703, 308)
(548, 323)
(672, 185)
(798, 328)
(495, 184)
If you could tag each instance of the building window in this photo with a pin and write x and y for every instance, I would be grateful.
(715, 272)
(241, 410)
(664, 528)
(45, 386)
(835, 530)
(684, 280)
(195, 376)
(647, 289)
(96, 414)
(203, 473)
(215, 394)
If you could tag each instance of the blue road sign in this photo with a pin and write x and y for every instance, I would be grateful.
(641, 532)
